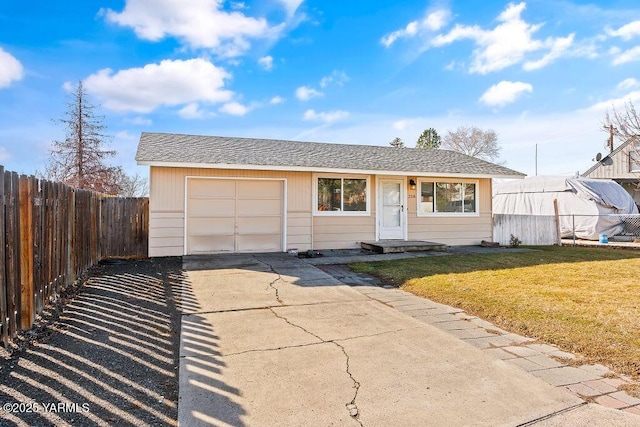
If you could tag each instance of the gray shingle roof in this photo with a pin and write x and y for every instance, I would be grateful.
(176, 149)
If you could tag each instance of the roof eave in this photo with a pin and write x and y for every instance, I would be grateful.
(324, 169)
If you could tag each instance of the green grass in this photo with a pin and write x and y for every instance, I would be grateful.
(585, 300)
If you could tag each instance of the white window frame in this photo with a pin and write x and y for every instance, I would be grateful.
(634, 159)
(316, 212)
(447, 181)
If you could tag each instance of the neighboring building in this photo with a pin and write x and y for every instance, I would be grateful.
(586, 207)
(217, 194)
(623, 166)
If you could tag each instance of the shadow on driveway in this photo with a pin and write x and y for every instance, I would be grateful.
(111, 358)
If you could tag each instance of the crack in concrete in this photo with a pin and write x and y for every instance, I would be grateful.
(351, 406)
(273, 283)
(372, 335)
(260, 350)
(551, 415)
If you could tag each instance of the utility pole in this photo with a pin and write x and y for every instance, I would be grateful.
(611, 128)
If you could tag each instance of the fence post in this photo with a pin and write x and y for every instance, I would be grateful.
(26, 254)
(71, 236)
(573, 227)
(4, 332)
(13, 251)
(556, 213)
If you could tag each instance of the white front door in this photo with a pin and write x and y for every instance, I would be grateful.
(391, 214)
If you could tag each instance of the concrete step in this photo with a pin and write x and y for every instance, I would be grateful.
(391, 246)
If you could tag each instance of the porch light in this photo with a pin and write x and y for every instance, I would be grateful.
(412, 184)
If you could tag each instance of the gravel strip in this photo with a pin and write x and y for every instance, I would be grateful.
(108, 355)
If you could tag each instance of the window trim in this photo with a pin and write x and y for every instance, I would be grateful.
(316, 212)
(634, 152)
(419, 212)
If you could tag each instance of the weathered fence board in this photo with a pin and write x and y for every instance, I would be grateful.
(26, 253)
(50, 234)
(535, 230)
(12, 257)
(4, 333)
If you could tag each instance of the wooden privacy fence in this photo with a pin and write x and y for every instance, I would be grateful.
(50, 234)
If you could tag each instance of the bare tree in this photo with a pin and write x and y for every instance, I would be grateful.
(473, 142)
(623, 124)
(79, 160)
(133, 185)
(429, 138)
(397, 143)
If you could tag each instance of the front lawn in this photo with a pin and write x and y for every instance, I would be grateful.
(584, 300)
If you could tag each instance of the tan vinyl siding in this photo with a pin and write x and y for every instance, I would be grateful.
(299, 226)
(616, 167)
(345, 231)
(452, 230)
(304, 230)
(341, 232)
(167, 200)
(166, 232)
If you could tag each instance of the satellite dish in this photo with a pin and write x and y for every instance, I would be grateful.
(598, 157)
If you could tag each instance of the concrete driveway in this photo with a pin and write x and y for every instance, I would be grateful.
(270, 340)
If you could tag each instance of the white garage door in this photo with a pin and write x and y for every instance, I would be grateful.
(229, 215)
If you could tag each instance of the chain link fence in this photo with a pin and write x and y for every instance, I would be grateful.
(548, 230)
(617, 227)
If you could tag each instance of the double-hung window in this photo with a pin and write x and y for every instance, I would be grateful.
(447, 197)
(342, 195)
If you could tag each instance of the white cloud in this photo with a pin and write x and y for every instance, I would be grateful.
(336, 77)
(504, 93)
(623, 57)
(201, 25)
(192, 111)
(400, 124)
(276, 100)
(266, 62)
(238, 5)
(10, 69)
(558, 46)
(141, 121)
(434, 21)
(234, 109)
(626, 32)
(326, 117)
(633, 96)
(507, 44)
(168, 83)
(291, 6)
(305, 93)
(407, 32)
(627, 84)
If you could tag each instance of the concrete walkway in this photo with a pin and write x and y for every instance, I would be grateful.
(273, 340)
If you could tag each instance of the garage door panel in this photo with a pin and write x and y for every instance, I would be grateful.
(260, 189)
(260, 225)
(234, 216)
(211, 244)
(259, 207)
(259, 243)
(212, 207)
(207, 226)
(212, 188)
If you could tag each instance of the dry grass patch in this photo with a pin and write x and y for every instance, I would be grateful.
(584, 300)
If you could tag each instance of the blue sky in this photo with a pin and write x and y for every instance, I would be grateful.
(537, 72)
